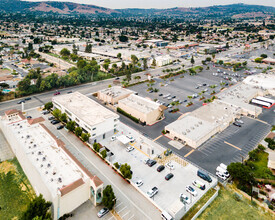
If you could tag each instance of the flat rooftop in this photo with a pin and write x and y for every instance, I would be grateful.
(141, 104)
(240, 95)
(265, 81)
(116, 91)
(56, 168)
(84, 108)
(191, 127)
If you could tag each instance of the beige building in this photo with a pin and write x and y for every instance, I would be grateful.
(51, 169)
(198, 126)
(113, 94)
(145, 110)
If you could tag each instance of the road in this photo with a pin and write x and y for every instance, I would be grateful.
(57, 61)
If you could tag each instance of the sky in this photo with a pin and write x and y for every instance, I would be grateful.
(116, 4)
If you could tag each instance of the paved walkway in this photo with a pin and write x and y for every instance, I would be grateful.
(5, 150)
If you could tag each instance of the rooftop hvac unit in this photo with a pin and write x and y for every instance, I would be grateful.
(184, 133)
(51, 179)
(60, 180)
(49, 165)
(41, 165)
(187, 130)
(200, 122)
(37, 159)
(196, 125)
(46, 172)
(192, 128)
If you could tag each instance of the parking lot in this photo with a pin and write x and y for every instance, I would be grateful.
(169, 190)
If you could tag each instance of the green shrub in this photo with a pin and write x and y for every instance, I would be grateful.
(116, 164)
(103, 154)
(128, 115)
(96, 147)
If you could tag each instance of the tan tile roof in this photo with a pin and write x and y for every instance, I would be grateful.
(97, 181)
(11, 111)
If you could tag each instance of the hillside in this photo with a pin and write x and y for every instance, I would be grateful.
(235, 10)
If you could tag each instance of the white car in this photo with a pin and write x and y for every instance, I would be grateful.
(130, 148)
(139, 183)
(152, 191)
(170, 166)
(191, 190)
(132, 140)
(113, 138)
(221, 176)
(185, 199)
(239, 121)
(169, 98)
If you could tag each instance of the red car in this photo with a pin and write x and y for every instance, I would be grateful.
(57, 93)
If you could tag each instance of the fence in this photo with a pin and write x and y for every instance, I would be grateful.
(206, 204)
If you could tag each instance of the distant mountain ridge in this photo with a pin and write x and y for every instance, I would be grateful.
(75, 8)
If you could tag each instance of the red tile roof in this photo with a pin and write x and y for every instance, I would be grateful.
(36, 120)
(66, 189)
(97, 181)
(11, 111)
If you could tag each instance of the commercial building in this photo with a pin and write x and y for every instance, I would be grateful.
(141, 108)
(162, 60)
(113, 94)
(198, 126)
(51, 169)
(93, 118)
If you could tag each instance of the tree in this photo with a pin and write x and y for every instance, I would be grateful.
(71, 126)
(134, 59)
(106, 66)
(192, 60)
(123, 38)
(145, 66)
(119, 55)
(81, 64)
(220, 62)
(30, 46)
(109, 198)
(88, 48)
(78, 131)
(65, 52)
(125, 170)
(240, 172)
(38, 207)
(63, 117)
(208, 59)
(213, 56)
(103, 154)
(263, 55)
(258, 59)
(128, 76)
(56, 113)
(48, 105)
(154, 62)
(96, 147)
(85, 136)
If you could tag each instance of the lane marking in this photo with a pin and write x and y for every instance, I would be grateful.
(232, 145)
(139, 149)
(125, 214)
(118, 189)
(157, 138)
(131, 217)
(121, 209)
(186, 155)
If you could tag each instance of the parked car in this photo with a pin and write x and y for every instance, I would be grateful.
(60, 127)
(151, 91)
(21, 101)
(146, 161)
(239, 121)
(170, 166)
(222, 171)
(170, 111)
(28, 98)
(132, 140)
(151, 163)
(56, 93)
(237, 124)
(51, 118)
(170, 106)
(152, 191)
(169, 98)
(220, 175)
(160, 168)
(173, 97)
(191, 190)
(169, 176)
(202, 174)
(45, 112)
(54, 122)
(102, 212)
(185, 198)
(130, 148)
(160, 94)
(69, 92)
(139, 183)
(113, 138)
(199, 184)
(29, 117)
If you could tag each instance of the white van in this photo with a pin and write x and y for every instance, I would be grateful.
(166, 216)
(223, 171)
(222, 165)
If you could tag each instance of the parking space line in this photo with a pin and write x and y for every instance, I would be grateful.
(157, 138)
(232, 145)
(122, 209)
(125, 214)
(119, 205)
(111, 217)
(139, 149)
(131, 217)
(186, 155)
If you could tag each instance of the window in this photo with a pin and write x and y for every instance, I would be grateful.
(68, 113)
(103, 136)
(77, 119)
(94, 129)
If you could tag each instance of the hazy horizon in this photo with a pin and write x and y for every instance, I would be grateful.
(118, 4)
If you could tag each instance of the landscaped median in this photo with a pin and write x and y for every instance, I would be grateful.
(202, 204)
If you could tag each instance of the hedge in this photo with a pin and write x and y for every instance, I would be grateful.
(128, 115)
